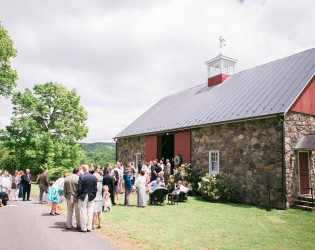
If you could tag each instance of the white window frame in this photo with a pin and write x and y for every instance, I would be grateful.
(138, 159)
(211, 171)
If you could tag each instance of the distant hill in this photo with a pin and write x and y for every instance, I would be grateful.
(97, 145)
(99, 153)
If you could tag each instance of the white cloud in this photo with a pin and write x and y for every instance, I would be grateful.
(123, 56)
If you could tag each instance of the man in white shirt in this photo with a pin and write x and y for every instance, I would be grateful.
(162, 165)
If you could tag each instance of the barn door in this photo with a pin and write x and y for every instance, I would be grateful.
(182, 146)
(304, 173)
(150, 148)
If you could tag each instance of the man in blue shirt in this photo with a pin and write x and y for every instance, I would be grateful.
(155, 184)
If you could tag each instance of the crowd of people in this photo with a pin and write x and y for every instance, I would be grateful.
(90, 191)
(15, 186)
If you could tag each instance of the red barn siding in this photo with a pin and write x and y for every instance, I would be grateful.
(306, 101)
(150, 148)
(182, 146)
(216, 79)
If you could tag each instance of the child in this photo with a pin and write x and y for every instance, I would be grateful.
(106, 198)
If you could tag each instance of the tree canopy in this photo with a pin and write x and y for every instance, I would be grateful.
(44, 128)
(99, 153)
(8, 76)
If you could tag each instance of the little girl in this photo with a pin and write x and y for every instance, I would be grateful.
(106, 199)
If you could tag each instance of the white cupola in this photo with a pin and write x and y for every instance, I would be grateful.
(220, 67)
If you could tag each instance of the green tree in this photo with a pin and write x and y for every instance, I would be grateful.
(98, 153)
(8, 76)
(46, 124)
(8, 161)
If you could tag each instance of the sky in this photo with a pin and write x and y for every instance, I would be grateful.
(124, 56)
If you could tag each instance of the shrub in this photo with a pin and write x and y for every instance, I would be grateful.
(192, 177)
(170, 185)
(213, 189)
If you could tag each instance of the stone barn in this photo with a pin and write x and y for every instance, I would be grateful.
(255, 129)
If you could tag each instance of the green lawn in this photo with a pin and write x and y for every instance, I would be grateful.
(203, 225)
(199, 224)
(35, 189)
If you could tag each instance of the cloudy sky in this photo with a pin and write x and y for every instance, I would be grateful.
(123, 56)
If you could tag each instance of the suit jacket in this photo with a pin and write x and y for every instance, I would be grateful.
(43, 181)
(87, 185)
(167, 169)
(178, 177)
(4, 197)
(109, 181)
(25, 180)
(70, 188)
(139, 168)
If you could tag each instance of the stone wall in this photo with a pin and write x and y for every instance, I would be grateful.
(128, 147)
(296, 126)
(250, 157)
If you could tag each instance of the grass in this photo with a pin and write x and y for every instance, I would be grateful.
(35, 189)
(199, 224)
(203, 225)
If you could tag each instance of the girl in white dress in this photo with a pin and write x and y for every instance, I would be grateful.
(106, 198)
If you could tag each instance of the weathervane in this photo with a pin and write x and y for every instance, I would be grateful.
(221, 44)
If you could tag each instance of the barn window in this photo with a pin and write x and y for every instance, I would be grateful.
(138, 159)
(214, 162)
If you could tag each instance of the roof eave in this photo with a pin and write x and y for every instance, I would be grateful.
(200, 126)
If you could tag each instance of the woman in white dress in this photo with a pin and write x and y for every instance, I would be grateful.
(16, 180)
(54, 194)
(146, 170)
(5, 181)
(98, 202)
(141, 183)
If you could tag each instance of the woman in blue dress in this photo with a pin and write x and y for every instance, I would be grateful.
(21, 187)
(128, 185)
(54, 194)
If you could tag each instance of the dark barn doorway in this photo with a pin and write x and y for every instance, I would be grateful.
(166, 147)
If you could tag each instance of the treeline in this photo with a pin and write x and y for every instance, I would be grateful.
(99, 153)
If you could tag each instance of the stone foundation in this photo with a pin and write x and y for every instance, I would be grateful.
(296, 126)
(128, 147)
(250, 157)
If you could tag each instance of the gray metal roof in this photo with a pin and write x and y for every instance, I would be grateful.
(307, 142)
(268, 89)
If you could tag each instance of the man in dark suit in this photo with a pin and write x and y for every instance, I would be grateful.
(108, 180)
(26, 182)
(139, 166)
(87, 188)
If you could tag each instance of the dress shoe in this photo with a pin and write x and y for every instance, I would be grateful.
(28, 200)
(78, 228)
(81, 231)
(67, 228)
(52, 214)
(89, 230)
